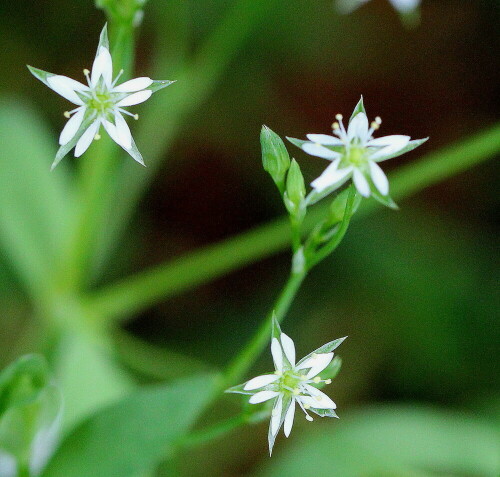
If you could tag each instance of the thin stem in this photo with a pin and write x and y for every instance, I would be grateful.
(326, 250)
(148, 287)
(243, 361)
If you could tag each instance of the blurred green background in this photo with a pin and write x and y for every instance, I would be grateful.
(416, 290)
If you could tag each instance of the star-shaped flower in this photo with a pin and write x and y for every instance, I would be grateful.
(355, 154)
(99, 103)
(402, 6)
(292, 384)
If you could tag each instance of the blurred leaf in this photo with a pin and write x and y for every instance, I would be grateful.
(35, 204)
(393, 441)
(30, 416)
(82, 366)
(134, 434)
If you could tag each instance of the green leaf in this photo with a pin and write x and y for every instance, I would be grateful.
(409, 147)
(134, 434)
(275, 158)
(360, 108)
(30, 414)
(393, 441)
(36, 205)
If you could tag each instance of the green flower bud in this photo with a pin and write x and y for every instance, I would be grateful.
(275, 158)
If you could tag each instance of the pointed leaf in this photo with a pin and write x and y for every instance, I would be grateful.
(133, 435)
(275, 157)
(360, 108)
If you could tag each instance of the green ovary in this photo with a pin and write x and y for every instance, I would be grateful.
(356, 156)
(290, 380)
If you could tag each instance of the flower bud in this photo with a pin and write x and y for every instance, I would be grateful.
(275, 158)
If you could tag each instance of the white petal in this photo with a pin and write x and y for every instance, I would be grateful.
(405, 6)
(123, 132)
(71, 127)
(262, 396)
(132, 85)
(379, 178)
(392, 145)
(358, 127)
(260, 381)
(135, 98)
(84, 142)
(319, 401)
(361, 183)
(111, 130)
(103, 66)
(290, 413)
(330, 176)
(66, 87)
(277, 353)
(319, 364)
(325, 139)
(319, 151)
(288, 348)
(276, 415)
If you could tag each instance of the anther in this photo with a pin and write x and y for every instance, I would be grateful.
(86, 72)
(328, 381)
(317, 379)
(66, 114)
(309, 418)
(136, 117)
(335, 126)
(378, 120)
(374, 125)
(97, 137)
(339, 117)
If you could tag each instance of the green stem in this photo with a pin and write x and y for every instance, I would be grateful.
(326, 250)
(246, 357)
(148, 287)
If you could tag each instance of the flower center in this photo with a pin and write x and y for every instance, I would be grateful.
(101, 102)
(355, 156)
(290, 381)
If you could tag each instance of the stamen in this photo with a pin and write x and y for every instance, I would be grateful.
(86, 72)
(136, 117)
(128, 113)
(67, 114)
(335, 126)
(378, 120)
(116, 79)
(317, 379)
(309, 418)
(97, 137)
(339, 117)
(374, 125)
(303, 407)
(328, 381)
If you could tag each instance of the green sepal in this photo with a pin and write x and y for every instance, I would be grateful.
(275, 157)
(275, 328)
(359, 108)
(297, 142)
(159, 84)
(326, 348)
(239, 389)
(103, 39)
(409, 147)
(41, 75)
(295, 191)
(383, 199)
(338, 205)
(136, 155)
(324, 412)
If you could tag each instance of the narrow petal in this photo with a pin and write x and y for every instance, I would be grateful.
(71, 127)
(277, 353)
(66, 87)
(379, 178)
(84, 142)
(276, 415)
(123, 132)
(103, 66)
(260, 381)
(319, 363)
(330, 176)
(288, 348)
(133, 85)
(135, 98)
(288, 423)
(318, 402)
(319, 151)
(262, 396)
(393, 145)
(325, 139)
(361, 183)
(358, 128)
(111, 130)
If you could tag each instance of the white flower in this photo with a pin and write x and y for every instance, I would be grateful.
(292, 384)
(100, 102)
(402, 6)
(355, 154)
